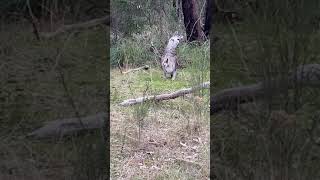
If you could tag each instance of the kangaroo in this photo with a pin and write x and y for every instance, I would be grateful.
(169, 59)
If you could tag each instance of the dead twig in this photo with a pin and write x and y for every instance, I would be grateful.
(145, 67)
(76, 27)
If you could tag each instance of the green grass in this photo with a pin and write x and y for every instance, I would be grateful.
(159, 84)
(195, 58)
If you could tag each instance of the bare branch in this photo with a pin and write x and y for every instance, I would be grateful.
(76, 27)
(145, 67)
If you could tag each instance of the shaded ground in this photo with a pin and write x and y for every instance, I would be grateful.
(269, 139)
(32, 92)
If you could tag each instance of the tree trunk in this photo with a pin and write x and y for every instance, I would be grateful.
(192, 21)
(211, 11)
(176, 5)
(178, 8)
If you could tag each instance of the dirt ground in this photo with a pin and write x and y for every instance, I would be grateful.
(174, 134)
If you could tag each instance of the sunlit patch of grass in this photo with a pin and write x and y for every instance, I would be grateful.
(158, 83)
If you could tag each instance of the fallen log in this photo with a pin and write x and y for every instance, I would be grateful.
(162, 97)
(145, 67)
(76, 27)
(304, 76)
(63, 127)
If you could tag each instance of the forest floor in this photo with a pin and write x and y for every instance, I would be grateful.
(32, 92)
(164, 140)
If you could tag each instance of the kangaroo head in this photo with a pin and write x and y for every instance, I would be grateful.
(175, 40)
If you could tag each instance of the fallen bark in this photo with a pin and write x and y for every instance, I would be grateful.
(304, 76)
(145, 67)
(62, 127)
(76, 27)
(162, 97)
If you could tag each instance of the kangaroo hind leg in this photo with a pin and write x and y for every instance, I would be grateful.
(174, 75)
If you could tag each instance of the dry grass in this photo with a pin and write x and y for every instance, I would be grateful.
(174, 140)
